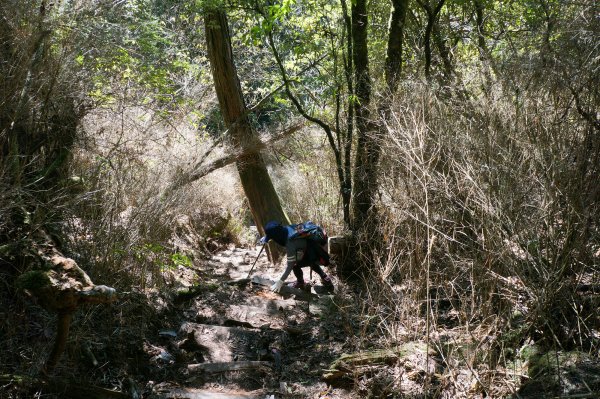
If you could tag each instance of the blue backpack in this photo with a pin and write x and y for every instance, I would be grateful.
(316, 240)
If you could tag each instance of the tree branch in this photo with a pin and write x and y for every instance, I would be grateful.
(302, 111)
(200, 170)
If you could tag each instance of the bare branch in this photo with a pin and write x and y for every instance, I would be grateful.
(200, 170)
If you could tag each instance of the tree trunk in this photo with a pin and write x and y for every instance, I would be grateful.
(445, 54)
(484, 55)
(369, 131)
(432, 14)
(262, 198)
(367, 146)
(393, 60)
(346, 185)
(479, 8)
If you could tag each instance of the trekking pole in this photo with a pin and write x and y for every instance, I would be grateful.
(255, 260)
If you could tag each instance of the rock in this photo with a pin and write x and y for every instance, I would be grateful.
(562, 374)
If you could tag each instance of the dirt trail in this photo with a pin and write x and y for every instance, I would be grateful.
(230, 340)
(243, 341)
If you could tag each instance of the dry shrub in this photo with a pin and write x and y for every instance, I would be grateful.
(489, 214)
(304, 175)
(41, 105)
(135, 226)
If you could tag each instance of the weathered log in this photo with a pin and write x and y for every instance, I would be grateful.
(223, 367)
(62, 388)
(195, 393)
(239, 282)
(349, 365)
(187, 293)
(61, 286)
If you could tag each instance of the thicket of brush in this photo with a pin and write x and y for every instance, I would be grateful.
(489, 208)
(488, 201)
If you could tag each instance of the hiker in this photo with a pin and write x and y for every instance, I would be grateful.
(302, 250)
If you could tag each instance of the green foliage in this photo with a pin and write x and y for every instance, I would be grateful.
(136, 49)
(160, 257)
(179, 259)
(33, 280)
(306, 33)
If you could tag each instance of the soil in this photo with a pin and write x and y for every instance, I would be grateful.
(216, 331)
(285, 340)
(234, 338)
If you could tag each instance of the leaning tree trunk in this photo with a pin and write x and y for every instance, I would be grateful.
(256, 182)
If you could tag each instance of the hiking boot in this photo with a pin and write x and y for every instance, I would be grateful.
(301, 285)
(327, 283)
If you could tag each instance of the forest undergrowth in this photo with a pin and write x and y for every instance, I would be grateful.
(486, 211)
(471, 263)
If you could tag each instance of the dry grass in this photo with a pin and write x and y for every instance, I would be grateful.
(135, 225)
(305, 178)
(489, 215)
(488, 210)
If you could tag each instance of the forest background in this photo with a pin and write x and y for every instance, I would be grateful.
(456, 144)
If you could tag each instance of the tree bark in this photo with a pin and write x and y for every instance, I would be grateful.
(369, 134)
(346, 185)
(445, 53)
(367, 146)
(370, 131)
(393, 61)
(262, 198)
(432, 14)
(479, 20)
(481, 43)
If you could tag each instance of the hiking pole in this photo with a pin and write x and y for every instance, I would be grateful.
(255, 260)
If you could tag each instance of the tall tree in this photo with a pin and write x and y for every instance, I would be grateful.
(395, 44)
(262, 198)
(369, 131)
(358, 179)
(366, 146)
(433, 13)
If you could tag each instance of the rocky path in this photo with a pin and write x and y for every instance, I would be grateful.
(236, 339)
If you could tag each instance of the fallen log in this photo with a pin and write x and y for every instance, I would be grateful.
(188, 293)
(239, 282)
(350, 365)
(223, 367)
(60, 286)
(177, 392)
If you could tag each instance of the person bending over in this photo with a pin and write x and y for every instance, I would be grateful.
(301, 252)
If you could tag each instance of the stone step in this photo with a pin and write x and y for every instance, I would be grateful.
(192, 393)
